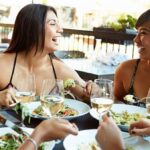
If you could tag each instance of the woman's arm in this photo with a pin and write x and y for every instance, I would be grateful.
(81, 90)
(48, 130)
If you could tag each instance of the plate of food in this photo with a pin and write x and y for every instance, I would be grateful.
(71, 109)
(124, 114)
(86, 140)
(13, 140)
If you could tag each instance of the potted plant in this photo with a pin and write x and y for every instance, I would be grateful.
(123, 22)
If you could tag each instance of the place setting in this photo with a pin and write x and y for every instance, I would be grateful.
(12, 136)
(52, 103)
(122, 114)
(51, 99)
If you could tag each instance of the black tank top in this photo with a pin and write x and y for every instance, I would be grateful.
(11, 77)
(14, 65)
(131, 89)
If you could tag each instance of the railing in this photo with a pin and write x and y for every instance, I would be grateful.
(83, 40)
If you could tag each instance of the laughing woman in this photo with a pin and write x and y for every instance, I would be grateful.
(31, 50)
(133, 76)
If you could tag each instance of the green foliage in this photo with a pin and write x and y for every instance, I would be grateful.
(124, 21)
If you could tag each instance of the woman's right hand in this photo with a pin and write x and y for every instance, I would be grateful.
(53, 129)
(109, 136)
(141, 127)
(6, 97)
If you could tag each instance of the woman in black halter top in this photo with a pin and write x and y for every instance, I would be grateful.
(133, 76)
(31, 50)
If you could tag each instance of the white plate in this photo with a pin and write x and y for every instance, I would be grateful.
(48, 146)
(85, 137)
(119, 108)
(81, 107)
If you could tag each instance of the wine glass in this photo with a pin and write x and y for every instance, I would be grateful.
(25, 88)
(51, 96)
(148, 103)
(102, 96)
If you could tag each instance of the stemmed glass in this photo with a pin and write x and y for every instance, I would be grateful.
(102, 96)
(148, 102)
(25, 88)
(52, 95)
(24, 91)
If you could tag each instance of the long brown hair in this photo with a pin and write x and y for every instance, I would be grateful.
(29, 28)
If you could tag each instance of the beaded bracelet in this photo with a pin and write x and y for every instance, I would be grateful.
(33, 142)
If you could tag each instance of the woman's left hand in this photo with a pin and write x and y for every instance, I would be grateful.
(88, 87)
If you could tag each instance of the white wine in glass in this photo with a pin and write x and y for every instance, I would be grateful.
(101, 104)
(25, 89)
(102, 96)
(52, 95)
(148, 102)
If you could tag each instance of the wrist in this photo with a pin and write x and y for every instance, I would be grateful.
(36, 136)
(33, 142)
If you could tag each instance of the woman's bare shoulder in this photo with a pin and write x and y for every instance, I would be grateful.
(65, 71)
(6, 58)
(129, 64)
(125, 68)
(63, 67)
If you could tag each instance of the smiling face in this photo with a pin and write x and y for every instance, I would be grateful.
(53, 32)
(142, 40)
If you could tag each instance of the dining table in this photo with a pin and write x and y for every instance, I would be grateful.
(83, 122)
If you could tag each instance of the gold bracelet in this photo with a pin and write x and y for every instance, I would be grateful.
(33, 142)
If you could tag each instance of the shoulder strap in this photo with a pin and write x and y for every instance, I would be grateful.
(13, 69)
(53, 66)
(131, 89)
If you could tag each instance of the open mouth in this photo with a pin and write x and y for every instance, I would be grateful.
(56, 40)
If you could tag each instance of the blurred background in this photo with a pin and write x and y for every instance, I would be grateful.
(80, 14)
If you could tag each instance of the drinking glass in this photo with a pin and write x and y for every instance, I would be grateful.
(102, 96)
(52, 95)
(148, 102)
(25, 88)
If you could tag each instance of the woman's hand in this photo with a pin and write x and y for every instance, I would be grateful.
(109, 136)
(7, 97)
(53, 129)
(48, 130)
(88, 87)
(141, 127)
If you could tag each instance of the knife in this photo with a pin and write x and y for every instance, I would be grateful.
(13, 126)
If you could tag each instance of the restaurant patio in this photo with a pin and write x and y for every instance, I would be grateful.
(94, 42)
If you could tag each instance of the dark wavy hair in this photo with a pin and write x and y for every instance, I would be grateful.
(29, 28)
(144, 17)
